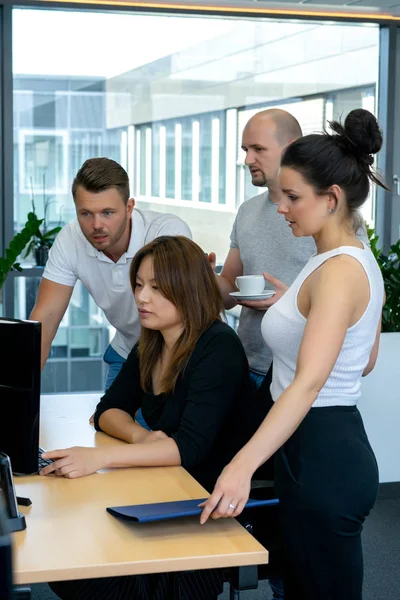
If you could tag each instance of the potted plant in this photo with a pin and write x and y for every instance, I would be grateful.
(17, 244)
(380, 396)
(390, 268)
(43, 239)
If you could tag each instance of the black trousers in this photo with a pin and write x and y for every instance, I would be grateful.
(326, 479)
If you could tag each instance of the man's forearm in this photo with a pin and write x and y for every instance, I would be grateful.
(51, 304)
(226, 286)
(119, 424)
(45, 350)
(47, 337)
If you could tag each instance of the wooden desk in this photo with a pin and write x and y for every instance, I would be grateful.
(70, 535)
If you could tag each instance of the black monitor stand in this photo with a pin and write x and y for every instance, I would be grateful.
(16, 521)
(6, 591)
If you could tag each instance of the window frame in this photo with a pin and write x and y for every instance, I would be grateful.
(387, 99)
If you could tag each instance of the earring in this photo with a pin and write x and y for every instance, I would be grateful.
(331, 211)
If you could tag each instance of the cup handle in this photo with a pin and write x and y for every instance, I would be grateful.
(236, 283)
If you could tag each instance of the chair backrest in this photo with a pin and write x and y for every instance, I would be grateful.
(6, 592)
(258, 404)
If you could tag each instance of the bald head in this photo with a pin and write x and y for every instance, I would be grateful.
(264, 137)
(285, 126)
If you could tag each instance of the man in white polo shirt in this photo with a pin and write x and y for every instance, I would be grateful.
(97, 249)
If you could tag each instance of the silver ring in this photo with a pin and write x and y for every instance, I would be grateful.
(232, 506)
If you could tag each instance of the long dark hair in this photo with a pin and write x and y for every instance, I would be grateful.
(344, 158)
(184, 277)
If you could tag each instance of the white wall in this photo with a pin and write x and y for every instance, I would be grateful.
(380, 407)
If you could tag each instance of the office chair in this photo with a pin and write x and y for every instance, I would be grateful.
(22, 593)
(261, 522)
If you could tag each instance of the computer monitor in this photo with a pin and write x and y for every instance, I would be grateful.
(6, 591)
(20, 393)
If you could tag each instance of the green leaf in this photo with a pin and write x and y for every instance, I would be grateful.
(390, 269)
(17, 245)
(52, 232)
(29, 248)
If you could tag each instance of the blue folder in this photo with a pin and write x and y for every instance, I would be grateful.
(161, 511)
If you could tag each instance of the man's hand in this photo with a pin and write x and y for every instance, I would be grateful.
(263, 305)
(75, 462)
(212, 258)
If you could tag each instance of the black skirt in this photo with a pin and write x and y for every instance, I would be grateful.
(326, 478)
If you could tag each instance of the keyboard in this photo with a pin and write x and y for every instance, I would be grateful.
(43, 462)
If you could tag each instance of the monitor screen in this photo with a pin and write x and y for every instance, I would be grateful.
(20, 393)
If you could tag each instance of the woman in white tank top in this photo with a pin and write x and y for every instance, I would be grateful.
(324, 334)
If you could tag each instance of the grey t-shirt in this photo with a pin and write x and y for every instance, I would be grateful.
(266, 243)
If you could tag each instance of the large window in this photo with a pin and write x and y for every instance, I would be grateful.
(172, 113)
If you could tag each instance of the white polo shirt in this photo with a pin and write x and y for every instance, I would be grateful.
(72, 257)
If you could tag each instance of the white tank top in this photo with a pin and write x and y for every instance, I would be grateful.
(283, 326)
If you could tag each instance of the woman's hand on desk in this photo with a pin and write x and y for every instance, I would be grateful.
(79, 461)
(230, 494)
(75, 462)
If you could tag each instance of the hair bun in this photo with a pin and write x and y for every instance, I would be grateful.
(360, 134)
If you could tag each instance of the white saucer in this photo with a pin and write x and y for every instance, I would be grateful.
(263, 296)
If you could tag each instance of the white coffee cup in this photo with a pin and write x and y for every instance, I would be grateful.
(251, 284)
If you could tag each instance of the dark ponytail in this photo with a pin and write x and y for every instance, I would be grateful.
(344, 158)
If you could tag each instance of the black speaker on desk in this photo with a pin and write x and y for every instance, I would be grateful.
(20, 393)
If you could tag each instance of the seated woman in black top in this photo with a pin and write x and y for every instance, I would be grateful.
(189, 374)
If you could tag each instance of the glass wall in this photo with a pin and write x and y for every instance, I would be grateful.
(75, 363)
(172, 113)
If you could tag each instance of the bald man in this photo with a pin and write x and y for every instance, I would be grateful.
(261, 240)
